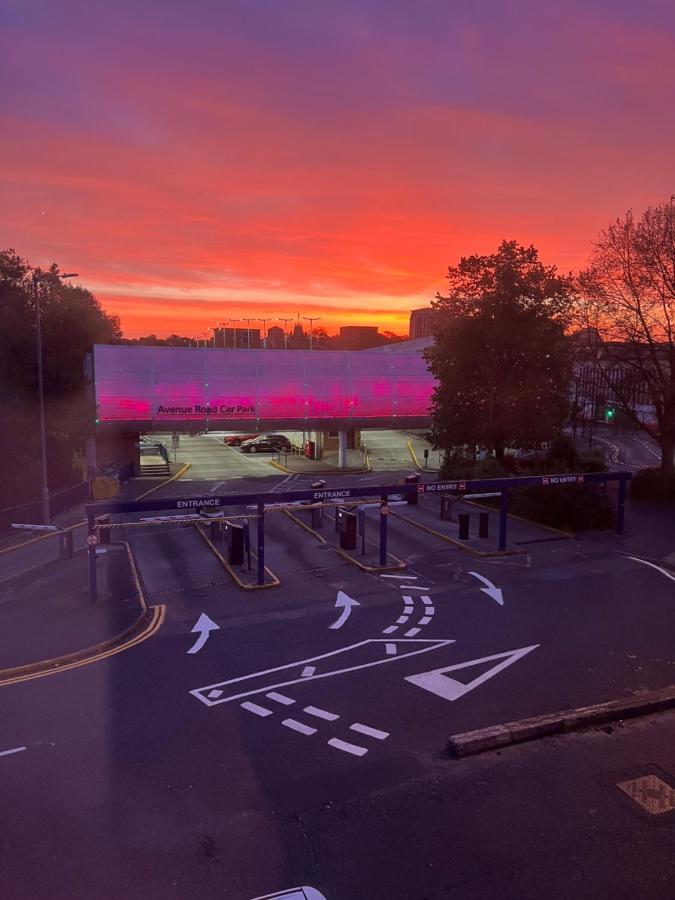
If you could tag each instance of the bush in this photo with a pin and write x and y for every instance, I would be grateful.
(457, 466)
(573, 507)
(653, 484)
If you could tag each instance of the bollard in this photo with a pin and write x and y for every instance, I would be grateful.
(102, 571)
(66, 545)
(483, 524)
(412, 497)
(446, 507)
(346, 524)
(235, 539)
(103, 533)
(463, 519)
(217, 531)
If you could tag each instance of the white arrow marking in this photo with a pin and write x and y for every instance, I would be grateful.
(346, 602)
(646, 562)
(448, 688)
(205, 626)
(491, 590)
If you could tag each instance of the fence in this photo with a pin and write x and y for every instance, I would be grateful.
(32, 512)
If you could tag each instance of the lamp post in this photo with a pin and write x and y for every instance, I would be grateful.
(234, 332)
(37, 278)
(248, 331)
(285, 321)
(311, 320)
(264, 322)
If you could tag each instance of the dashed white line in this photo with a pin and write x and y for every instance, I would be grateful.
(390, 630)
(407, 610)
(426, 600)
(423, 621)
(280, 698)
(391, 649)
(254, 708)
(354, 749)
(401, 577)
(402, 620)
(371, 732)
(13, 750)
(308, 671)
(298, 726)
(430, 610)
(320, 713)
(412, 632)
(413, 587)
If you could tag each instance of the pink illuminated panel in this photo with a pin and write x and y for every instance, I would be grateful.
(152, 387)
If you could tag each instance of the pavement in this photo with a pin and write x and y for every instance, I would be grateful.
(303, 744)
(47, 614)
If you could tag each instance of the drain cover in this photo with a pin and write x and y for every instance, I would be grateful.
(651, 793)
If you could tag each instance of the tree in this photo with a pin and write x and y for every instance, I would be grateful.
(500, 354)
(626, 309)
(72, 320)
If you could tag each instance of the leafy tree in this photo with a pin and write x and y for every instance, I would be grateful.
(72, 320)
(626, 310)
(500, 356)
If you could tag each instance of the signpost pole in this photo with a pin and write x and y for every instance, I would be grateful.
(91, 558)
(620, 506)
(384, 514)
(261, 542)
(503, 517)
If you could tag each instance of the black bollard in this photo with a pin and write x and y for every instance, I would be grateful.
(483, 524)
(463, 519)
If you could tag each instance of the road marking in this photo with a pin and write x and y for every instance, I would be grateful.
(401, 577)
(413, 587)
(13, 750)
(215, 486)
(412, 632)
(371, 732)
(424, 620)
(280, 698)
(437, 682)
(407, 610)
(298, 726)
(391, 649)
(254, 708)
(346, 602)
(354, 749)
(646, 562)
(430, 610)
(490, 589)
(204, 625)
(402, 620)
(390, 630)
(426, 600)
(320, 713)
(428, 644)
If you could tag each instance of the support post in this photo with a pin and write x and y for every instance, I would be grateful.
(621, 506)
(384, 515)
(91, 559)
(342, 449)
(503, 517)
(261, 543)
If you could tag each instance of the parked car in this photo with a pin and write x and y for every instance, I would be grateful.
(236, 440)
(266, 443)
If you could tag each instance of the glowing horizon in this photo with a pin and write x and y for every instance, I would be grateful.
(199, 164)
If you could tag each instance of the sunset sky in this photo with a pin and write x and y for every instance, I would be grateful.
(198, 160)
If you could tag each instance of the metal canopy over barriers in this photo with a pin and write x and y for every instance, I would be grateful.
(189, 510)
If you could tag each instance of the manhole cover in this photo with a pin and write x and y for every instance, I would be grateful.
(651, 793)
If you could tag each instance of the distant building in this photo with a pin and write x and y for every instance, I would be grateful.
(237, 338)
(275, 338)
(421, 322)
(359, 337)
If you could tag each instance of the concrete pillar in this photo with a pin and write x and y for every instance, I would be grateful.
(342, 449)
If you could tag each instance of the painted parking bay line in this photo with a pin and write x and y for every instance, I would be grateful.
(351, 658)
(371, 732)
(345, 746)
(300, 727)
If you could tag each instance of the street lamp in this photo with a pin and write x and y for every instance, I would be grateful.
(248, 331)
(37, 278)
(264, 322)
(234, 332)
(311, 320)
(285, 333)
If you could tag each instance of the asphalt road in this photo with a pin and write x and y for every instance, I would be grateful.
(291, 751)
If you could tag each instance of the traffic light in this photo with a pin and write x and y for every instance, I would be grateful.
(609, 414)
